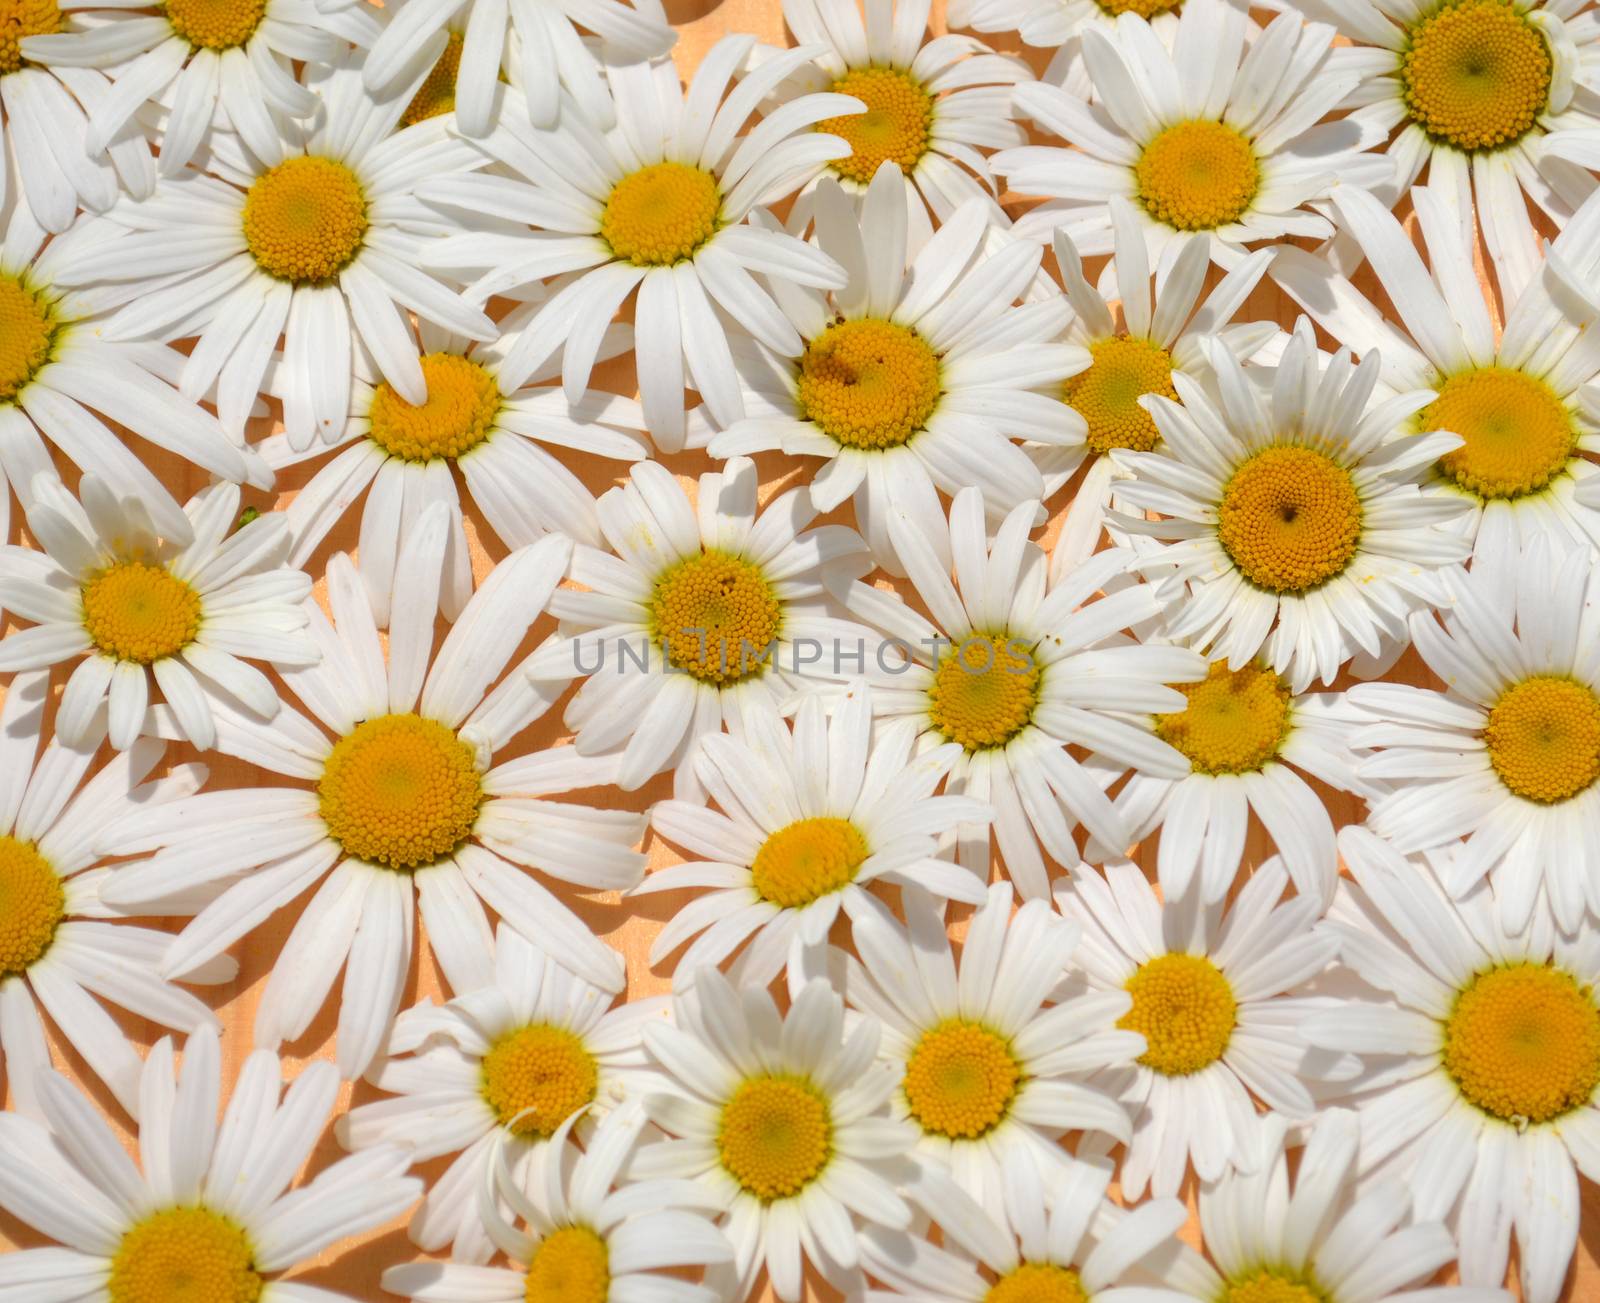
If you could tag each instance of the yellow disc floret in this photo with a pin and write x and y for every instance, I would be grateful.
(1475, 74)
(1235, 722)
(714, 616)
(1519, 436)
(1123, 370)
(1543, 738)
(215, 24)
(1185, 1010)
(136, 611)
(895, 128)
(661, 214)
(27, 331)
(806, 860)
(536, 1077)
(20, 18)
(775, 1136)
(1146, 9)
(868, 383)
(1270, 1285)
(400, 791)
(960, 1079)
(32, 904)
(1290, 519)
(1197, 175)
(1523, 1043)
(305, 219)
(437, 94)
(1038, 1282)
(985, 691)
(459, 413)
(571, 1265)
(184, 1255)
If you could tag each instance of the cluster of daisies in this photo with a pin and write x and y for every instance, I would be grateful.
(1015, 541)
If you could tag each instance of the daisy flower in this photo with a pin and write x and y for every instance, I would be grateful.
(1292, 517)
(127, 605)
(510, 1062)
(1155, 341)
(1214, 140)
(988, 1072)
(592, 1237)
(1058, 26)
(806, 822)
(207, 1214)
(915, 376)
(1248, 737)
(1324, 1240)
(1492, 97)
(934, 107)
(1508, 754)
(781, 1118)
(319, 243)
(57, 371)
(1061, 1241)
(53, 945)
(393, 799)
(1482, 1060)
(658, 205)
(436, 97)
(1013, 672)
(1523, 405)
(697, 613)
(204, 59)
(405, 456)
(44, 163)
(535, 46)
(1208, 988)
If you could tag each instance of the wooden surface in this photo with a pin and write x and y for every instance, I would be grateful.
(354, 1267)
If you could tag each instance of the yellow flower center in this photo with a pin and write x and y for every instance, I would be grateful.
(20, 18)
(32, 904)
(537, 1077)
(437, 94)
(895, 127)
(868, 383)
(1184, 1008)
(1518, 434)
(1038, 1282)
(139, 612)
(1543, 738)
(775, 1136)
(571, 1265)
(661, 214)
(305, 219)
(714, 616)
(1107, 395)
(1523, 1042)
(184, 1255)
(459, 413)
(215, 24)
(1235, 722)
(1269, 1285)
(806, 860)
(400, 791)
(984, 691)
(1197, 175)
(1475, 74)
(1290, 519)
(1146, 9)
(27, 331)
(960, 1079)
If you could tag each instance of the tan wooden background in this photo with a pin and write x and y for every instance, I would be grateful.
(354, 1267)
